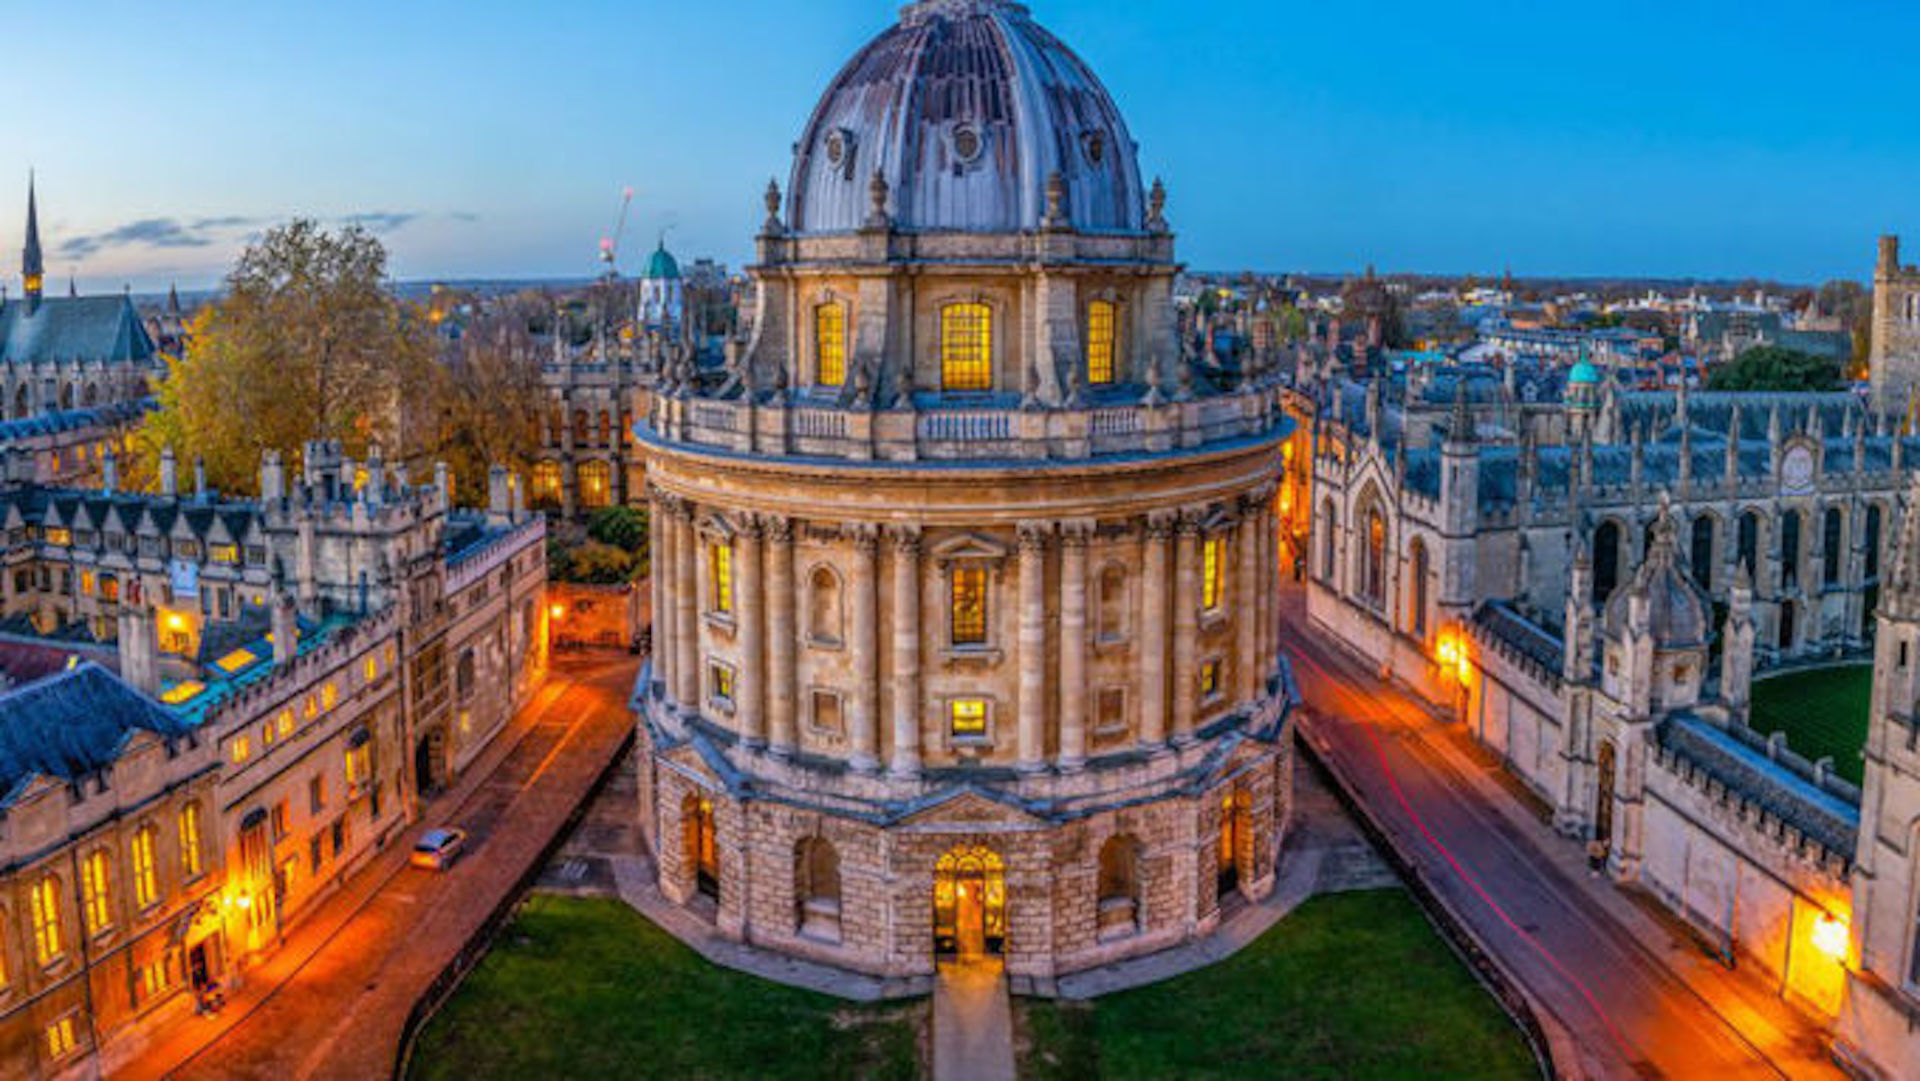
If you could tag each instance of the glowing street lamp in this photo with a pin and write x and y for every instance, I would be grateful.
(1830, 936)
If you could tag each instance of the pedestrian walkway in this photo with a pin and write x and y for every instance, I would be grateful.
(972, 1023)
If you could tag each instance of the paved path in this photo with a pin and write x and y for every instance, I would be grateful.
(1631, 994)
(972, 1024)
(332, 1001)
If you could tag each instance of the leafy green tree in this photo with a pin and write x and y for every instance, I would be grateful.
(622, 527)
(1774, 368)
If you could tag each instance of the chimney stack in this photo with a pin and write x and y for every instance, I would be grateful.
(169, 472)
(139, 642)
(286, 628)
(499, 496)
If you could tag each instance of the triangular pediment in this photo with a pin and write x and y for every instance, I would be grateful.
(969, 546)
(968, 807)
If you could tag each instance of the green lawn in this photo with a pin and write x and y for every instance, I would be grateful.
(587, 988)
(1823, 712)
(1351, 987)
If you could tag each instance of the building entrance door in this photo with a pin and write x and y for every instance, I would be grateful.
(1603, 800)
(970, 904)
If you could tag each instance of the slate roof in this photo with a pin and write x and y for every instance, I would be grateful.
(67, 420)
(1520, 634)
(72, 725)
(1818, 812)
(89, 330)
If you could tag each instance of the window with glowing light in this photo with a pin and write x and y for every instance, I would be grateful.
(1373, 584)
(192, 863)
(969, 616)
(720, 678)
(61, 1041)
(224, 553)
(596, 485)
(96, 892)
(830, 344)
(1102, 329)
(967, 718)
(546, 484)
(242, 749)
(720, 566)
(1211, 679)
(966, 347)
(146, 876)
(1213, 573)
(44, 900)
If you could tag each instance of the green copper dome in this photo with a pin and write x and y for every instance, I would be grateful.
(662, 266)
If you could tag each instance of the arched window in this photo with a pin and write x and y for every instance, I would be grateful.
(192, 859)
(146, 873)
(1417, 596)
(90, 396)
(49, 943)
(1749, 544)
(96, 891)
(1788, 619)
(1831, 529)
(701, 849)
(1703, 552)
(1119, 888)
(1102, 342)
(830, 344)
(1790, 549)
(966, 347)
(580, 427)
(606, 428)
(1112, 601)
(626, 429)
(1330, 541)
(1873, 541)
(825, 613)
(816, 888)
(1606, 561)
(596, 485)
(546, 484)
(463, 676)
(1373, 582)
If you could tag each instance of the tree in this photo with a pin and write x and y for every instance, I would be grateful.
(484, 403)
(306, 344)
(1774, 368)
(622, 527)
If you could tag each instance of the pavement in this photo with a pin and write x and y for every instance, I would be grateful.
(1621, 991)
(972, 1023)
(333, 1000)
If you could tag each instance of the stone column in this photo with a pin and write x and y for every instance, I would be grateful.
(750, 608)
(781, 643)
(1152, 657)
(1033, 646)
(1269, 589)
(661, 524)
(866, 654)
(1073, 645)
(1247, 601)
(906, 652)
(686, 625)
(1186, 626)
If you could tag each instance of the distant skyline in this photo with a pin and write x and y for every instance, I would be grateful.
(491, 140)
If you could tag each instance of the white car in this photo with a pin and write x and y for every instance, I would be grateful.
(437, 849)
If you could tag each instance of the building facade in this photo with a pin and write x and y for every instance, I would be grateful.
(965, 641)
(1893, 365)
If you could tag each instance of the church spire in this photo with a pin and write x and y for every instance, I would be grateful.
(33, 270)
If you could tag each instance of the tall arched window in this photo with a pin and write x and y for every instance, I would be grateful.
(1703, 552)
(966, 347)
(1749, 553)
(700, 848)
(1102, 341)
(596, 484)
(1329, 541)
(1417, 596)
(1831, 530)
(546, 483)
(606, 428)
(1788, 621)
(1790, 549)
(1119, 887)
(1606, 561)
(580, 427)
(96, 891)
(1373, 582)
(49, 944)
(146, 874)
(816, 888)
(1872, 541)
(824, 609)
(830, 344)
(192, 860)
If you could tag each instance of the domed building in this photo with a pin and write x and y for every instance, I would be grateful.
(965, 633)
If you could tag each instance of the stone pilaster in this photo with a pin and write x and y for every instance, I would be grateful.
(686, 625)
(1033, 646)
(1073, 644)
(1153, 631)
(661, 522)
(906, 652)
(1186, 626)
(751, 610)
(1245, 602)
(781, 641)
(864, 633)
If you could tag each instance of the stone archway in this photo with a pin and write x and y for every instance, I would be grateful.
(1603, 797)
(430, 762)
(970, 904)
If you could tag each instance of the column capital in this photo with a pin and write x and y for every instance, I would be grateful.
(865, 537)
(906, 538)
(1161, 524)
(1034, 535)
(1076, 532)
(779, 529)
(1190, 519)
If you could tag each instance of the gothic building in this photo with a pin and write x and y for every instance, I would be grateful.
(966, 639)
(1893, 365)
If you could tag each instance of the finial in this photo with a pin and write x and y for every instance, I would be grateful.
(772, 200)
(1157, 207)
(1056, 201)
(877, 192)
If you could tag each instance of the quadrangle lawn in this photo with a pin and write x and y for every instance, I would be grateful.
(1823, 712)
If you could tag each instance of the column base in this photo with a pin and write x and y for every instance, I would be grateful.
(754, 744)
(1075, 764)
(1184, 739)
(904, 769)
(1029, 768)
(864, 763)
(779, 750)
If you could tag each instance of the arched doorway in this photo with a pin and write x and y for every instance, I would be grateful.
(970, 903)
(430, 762)
(702, 851)
(1603, 799)
(1788, 620)
(1236, 836)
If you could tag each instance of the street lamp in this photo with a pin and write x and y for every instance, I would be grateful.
(1830, 936)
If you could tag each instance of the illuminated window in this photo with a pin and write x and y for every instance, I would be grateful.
(242, 749)
(830, 343)
(146, 878)
(191, 864)
(372, 669)
(596, 484)
(1210, 679)
(966, 347)
(60, 1039)
(1213, 573)
(721, 678)
(109, 589)
(1101, 319)
(360, 764)
(970, 606)
(284, 721)
(312, 707)
(184, 691)
(59, 535)
(45, 901)
(86, 583)
(235, 661)
(968, 718)
(546, 483)
(96, 895)
(722, 569)
(224, 553)
(329, 695)
(155, 979)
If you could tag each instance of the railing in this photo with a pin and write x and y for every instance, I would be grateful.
(969, 427)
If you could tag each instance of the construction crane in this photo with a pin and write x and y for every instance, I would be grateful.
(610, 245)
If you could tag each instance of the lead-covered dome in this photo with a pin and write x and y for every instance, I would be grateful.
(967, 108)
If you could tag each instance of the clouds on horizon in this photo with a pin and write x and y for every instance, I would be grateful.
(169, 233)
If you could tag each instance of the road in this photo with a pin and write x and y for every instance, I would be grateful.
(1637, 998)
(332, 1001)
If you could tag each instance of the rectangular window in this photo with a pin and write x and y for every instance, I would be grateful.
(60, 536)
(329, 695)
(279, 820)
(1111, 715)
(242, 749)
(316, 795)
(284, 722)
(314, 854)
(94, 892)
(190, 860)
(156, 979)
(1210, 679)
(970, 606)
(1100, 342)
(722, 568)
(1213, 573)
(966, 347)
(60, 1038)
(360, 764)
(826, 713)
(146, 878)
(968, 718)
(830, 343)
(224, 553)
(339, 836)
(45, 901)
(720, 677)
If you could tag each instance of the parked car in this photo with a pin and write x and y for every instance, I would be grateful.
(437, 849)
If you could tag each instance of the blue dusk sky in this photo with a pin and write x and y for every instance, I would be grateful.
(492, 139)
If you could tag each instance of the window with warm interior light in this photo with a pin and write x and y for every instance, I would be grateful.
(146, 877)
(967, 718)
(969, 605)
(966, 347)
(722, 571)
(1210, 679)
(830, 344)
(191, 861)
(44, 899)
(1102, 317)
(60, 1038)
(96, 898)
(1213, 573)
